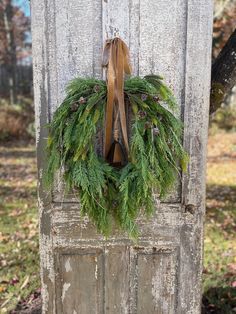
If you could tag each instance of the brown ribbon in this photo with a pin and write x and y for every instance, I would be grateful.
(116, 60)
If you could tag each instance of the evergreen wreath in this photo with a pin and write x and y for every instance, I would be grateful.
(153, 162)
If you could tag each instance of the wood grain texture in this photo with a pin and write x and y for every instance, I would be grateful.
(162, 272)
(197, 87)
(81, 278)
(40, 39)
(71, 230)
(117, 279)
(157, 281)
(77, 38)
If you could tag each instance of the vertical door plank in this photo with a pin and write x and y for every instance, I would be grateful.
(117, 280)
(116, 19)
(197, 91)
(162, 41)
(78, 43)
(41, 46)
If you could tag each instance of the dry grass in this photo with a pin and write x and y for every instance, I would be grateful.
(220, 227)
(19, 258)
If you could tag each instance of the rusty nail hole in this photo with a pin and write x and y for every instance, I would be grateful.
(190, 208)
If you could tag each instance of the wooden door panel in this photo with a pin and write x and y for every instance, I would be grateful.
(156, 281)
(116, 279)
(80, 277)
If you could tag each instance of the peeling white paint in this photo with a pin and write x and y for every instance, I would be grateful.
(65, 288)
(96, 268)
(45, 297)
(46, 257)
(68, 265)
(124, 305)
(156, 281)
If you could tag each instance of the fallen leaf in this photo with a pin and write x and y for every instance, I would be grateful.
(15, 212)
(232, 267)
(2, 289)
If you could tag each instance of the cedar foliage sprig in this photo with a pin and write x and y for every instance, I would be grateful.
(156, 153)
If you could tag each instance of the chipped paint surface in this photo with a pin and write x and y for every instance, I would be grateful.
(65, 288)
(156, 288)
(162, 272)
(96, 269)
(67, 265)
(46, 255)
(45, 296)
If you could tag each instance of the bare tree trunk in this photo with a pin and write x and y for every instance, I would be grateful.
(223, 73)
(7, 16)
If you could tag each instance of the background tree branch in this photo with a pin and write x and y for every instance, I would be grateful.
(223, 73)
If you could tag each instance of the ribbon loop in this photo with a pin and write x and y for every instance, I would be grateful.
(116, 60)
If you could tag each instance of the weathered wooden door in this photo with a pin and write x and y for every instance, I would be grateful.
(82, 273)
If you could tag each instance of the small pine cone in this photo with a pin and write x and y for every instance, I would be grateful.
(114, 204)
(144, 97)
(155, 131)
(169, 143)
(74, 107)
(82, 100)
(148, 125)
(96, 88)
(142, 114)
(156, 98)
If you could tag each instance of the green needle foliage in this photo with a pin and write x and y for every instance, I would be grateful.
(156, 153)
